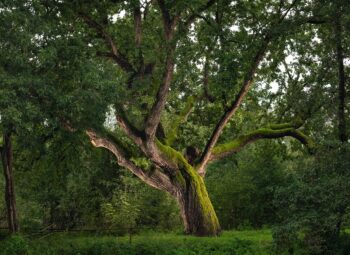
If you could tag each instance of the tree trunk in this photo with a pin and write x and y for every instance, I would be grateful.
(341, 77)
(178, 178)
(197, 211)
(6, 156)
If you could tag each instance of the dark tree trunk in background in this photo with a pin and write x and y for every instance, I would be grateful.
(6, 156)
(341, 78)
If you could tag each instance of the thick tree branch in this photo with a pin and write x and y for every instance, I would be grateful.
(157, 108)
(240, 96)
(234, 106)
(270, 132)
(169, 22)
(136, 136)
(161, 98)
(154, 178)
(115, 54)
(163, 91)
(128, 128)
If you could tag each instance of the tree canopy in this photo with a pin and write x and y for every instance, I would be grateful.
(172, 87)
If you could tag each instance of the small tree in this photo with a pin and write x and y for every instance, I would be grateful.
(124, 209)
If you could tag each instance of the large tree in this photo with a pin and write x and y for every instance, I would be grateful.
(181, 72)
(158, 47)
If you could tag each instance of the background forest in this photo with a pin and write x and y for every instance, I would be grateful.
(216, 117)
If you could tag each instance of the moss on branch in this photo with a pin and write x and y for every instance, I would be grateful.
(270, 132)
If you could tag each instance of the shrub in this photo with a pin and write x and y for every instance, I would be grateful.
(14, 245)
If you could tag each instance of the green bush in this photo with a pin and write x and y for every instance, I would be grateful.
(242, 187)
(314, 205)
(14, 245)
(285, 238)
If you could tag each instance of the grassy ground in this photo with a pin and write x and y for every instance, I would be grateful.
(151, 243)
(230, 242)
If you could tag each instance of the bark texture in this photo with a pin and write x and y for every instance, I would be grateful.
(6, 156)
(197, 211)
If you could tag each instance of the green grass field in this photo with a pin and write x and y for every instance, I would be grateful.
(151, 243)
(230, 242)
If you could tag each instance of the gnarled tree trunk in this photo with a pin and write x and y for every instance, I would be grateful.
(174, 174)
(6, 156)
(197, 211)
(178, 178)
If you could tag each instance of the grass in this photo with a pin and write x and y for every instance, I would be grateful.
(151, 243)
(262, 236)
(230, 242)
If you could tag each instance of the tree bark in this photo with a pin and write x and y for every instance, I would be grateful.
(197, 212)
(181, 180)
(6, 156)
(341, 78)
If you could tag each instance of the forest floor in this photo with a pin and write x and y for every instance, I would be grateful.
(230, 242)
(234, 242)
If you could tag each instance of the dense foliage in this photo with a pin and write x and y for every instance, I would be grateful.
(316, 200)
(213, 114)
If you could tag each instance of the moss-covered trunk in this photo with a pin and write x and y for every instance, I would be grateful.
(197, 211)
